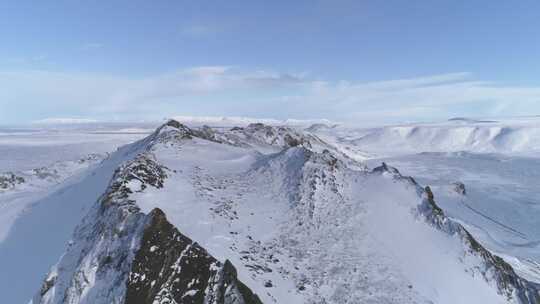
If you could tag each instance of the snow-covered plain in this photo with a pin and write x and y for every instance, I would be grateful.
(62, 177)
(301, 218)
(26, 148)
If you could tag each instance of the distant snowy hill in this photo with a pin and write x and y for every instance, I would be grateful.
(458, 134)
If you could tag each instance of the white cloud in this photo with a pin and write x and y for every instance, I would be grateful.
(433, 97)
(225, 91)
(63, 120)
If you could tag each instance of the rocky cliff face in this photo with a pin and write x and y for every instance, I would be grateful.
(171, 268)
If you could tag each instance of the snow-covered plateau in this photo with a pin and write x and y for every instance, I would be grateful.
(424, 213)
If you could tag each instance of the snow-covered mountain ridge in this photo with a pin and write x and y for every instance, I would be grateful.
(494, 267)
(300, 221)
(496, 160)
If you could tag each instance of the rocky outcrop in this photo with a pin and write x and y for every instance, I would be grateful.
(319, 126)
(258, 134)
(171, 268)
(9, 180)
(459, 188)
(280, 136)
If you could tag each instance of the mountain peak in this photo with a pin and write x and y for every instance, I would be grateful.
(170, 131)
(175, 125)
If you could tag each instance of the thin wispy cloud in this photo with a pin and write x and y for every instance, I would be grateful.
(420, 81)
(27, 60)
(223, 90)
(91, 46)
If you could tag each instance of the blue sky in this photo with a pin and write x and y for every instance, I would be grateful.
(352, 61)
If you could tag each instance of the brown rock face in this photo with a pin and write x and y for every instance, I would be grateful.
(170, 268)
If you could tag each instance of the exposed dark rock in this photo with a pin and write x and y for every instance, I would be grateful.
(147, 171)
(330, 159)
(291, 141)
(459, 187)
(388, 169)
(436, 210)
(171, 268)
(142, 168)
(47, 284)
(46, 173)
(9, 180)
(170, 132)
(175, 124)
